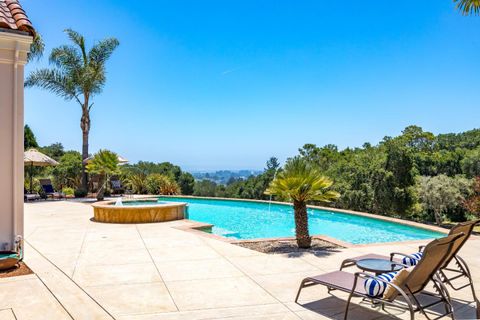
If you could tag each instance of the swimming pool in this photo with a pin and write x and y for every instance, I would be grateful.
(252, 220)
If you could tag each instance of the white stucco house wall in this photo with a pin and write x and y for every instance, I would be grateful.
(16, 35)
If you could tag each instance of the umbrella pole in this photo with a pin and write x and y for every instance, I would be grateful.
(31, 177)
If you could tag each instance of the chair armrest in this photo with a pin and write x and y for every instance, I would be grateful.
(347, 263)
(393, 254)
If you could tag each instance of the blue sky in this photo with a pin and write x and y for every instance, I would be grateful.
(227, 84)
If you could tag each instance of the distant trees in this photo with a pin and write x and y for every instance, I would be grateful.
(442, 193)
(472, 204)
(205, 188)
(300, 182)
(471, 163)
(393, 186)
(186, 183)
(54, 150)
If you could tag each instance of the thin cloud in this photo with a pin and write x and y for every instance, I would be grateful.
(230, 71)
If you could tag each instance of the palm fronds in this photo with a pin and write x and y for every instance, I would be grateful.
(468, 7)
(299, 181)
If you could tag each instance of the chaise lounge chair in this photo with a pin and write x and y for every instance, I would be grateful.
(27, 196)
(448, 272)
(49, 191)
(117, 187)
(402, 292)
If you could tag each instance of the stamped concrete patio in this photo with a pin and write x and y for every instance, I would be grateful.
(88, 270)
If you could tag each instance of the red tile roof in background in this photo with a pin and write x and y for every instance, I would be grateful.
(13, 17)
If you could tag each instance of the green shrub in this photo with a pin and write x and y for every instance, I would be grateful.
(80, 193)
(160, 184)
(137, 182)
(68, 191)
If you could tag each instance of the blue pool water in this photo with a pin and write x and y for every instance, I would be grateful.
(251, 220)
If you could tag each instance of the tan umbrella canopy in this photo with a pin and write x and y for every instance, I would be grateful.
(121, 160)
(34, 158)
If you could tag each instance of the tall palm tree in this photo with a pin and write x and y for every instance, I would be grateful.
(468, 7)
(300, 182)
(76, 75)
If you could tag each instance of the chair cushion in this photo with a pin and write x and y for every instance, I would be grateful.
(375, 287)
(412, 262)
(398, 280)
(116, 184)
(48, 188)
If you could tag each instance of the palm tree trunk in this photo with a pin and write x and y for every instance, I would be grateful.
(85, 125)
(101, 189)
(301, 224)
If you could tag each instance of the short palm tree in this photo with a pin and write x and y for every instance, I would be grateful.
(76, 75)
(105, 164)
(468, 7)
(300, 182)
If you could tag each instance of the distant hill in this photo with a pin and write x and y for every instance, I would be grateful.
(224, 176)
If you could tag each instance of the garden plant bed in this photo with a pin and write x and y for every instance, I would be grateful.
(289, 246)
(22, 270)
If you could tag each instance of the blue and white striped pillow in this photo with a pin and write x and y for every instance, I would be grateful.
(375, 287)
(412, 262)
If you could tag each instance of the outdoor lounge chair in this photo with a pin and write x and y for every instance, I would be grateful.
(403, 294)
(449, 271)
(116, 186)
(30, 196)
(49, 191)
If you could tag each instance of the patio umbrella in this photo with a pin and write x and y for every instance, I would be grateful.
(34, 158)
(121, 160)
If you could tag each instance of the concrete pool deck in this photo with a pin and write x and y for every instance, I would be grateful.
(88, 270)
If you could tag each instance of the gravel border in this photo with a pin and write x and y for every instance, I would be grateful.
(319, 247)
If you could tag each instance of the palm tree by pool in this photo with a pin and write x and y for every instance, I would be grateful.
(300, 182)
(76, 74)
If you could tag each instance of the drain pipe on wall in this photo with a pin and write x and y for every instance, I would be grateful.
(15, 140)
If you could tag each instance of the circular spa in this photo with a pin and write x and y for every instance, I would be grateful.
(138, 211)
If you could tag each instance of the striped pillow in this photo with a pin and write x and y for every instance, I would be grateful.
(410, 261)
(375, 287)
